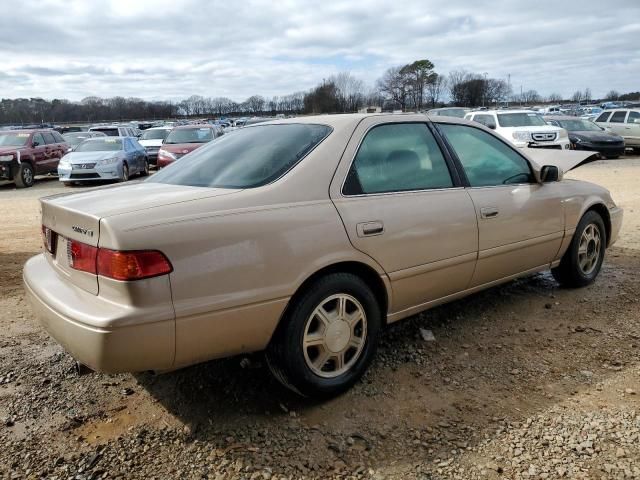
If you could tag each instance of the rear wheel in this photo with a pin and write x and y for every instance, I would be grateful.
(328, 337)
(24, 176)
(582, 261)
(125, 173)
(145, 169)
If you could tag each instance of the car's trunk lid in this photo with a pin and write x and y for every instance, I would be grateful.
(77, 217)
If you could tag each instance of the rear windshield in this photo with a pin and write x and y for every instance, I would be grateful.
(246, 158)
(110, 132)
(13, 139)
(190, 135)
(520, 120)
(100, 145)
(159, 134)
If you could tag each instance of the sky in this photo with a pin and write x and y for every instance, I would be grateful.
(170, 49)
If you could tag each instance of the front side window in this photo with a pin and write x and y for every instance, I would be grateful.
(487, 161)
(634, 117)
(618, 117)
(37, 138)
(247, 158)
(395, 158)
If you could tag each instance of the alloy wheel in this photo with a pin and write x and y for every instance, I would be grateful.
(589, 249)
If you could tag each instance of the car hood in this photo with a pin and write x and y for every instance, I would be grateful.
(134, 197)
(7, 150)
(589, 135)
(82, 157)
(536, 129)
(156, 142)
(181, 147)
(564, 159)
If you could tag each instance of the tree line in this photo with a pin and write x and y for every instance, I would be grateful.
(415, 86)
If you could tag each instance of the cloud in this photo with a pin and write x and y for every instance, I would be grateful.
(172, 49)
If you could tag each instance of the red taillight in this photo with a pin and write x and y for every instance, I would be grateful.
(132, 265)
(82, 256)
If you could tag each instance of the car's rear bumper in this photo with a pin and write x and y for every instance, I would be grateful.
(101, 334)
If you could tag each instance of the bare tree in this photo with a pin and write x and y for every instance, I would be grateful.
(555, 98)
(586, 96)
(455, 83)
(350, 91)
(435, 89)
(577, 96)
(612, 95)
(394, 86)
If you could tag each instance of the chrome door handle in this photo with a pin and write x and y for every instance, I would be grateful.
(369, 229)
(489, 212)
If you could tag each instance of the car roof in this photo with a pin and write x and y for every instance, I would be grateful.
(29, 130)
(197, 125)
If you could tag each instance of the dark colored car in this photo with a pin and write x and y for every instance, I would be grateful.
(27, 153)
(185, 139)
(586, 135)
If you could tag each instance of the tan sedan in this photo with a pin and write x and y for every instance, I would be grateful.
(304, 237)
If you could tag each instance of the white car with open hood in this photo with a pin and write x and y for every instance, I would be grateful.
(523, 128)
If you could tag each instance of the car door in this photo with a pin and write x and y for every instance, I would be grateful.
(632, 129)
(132, 156)
(617, 122)
(40, 154)
(520, 222)
(402, 204)
(52, 151)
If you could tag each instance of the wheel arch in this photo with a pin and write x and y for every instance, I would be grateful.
(602, 210)
(368, 274)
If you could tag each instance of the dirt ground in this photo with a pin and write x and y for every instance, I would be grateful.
(526, 380)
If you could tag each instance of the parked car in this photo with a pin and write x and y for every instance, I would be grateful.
(586, 135)
(458, 112)
(185, 139)
(523, 128)
(590, 113)
(114, 130)
(27, 153)
(624, 122)
(75, 138)
(106, 158)
(305, 237)
(152, 139)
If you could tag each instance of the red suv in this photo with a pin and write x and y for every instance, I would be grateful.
(27, 153)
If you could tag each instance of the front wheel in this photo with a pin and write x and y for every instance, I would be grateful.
(582, 261)
(328, 337)
(24, 176)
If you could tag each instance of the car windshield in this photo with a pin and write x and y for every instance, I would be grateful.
(579, 125)
(246, 158)
(74, 139)
(100, 145)
(451, 112)
(159, 134)
(520, 120)
(190, 135)
(13, 139)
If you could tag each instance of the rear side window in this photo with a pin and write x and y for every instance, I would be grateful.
(485, 120)
(248, 158)
(486, 160)
(604, 116)
(48, 137)
(634, 117)
(618, 117)
(395, 158)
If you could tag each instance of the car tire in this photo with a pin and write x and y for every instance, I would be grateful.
(612, 157)
(24, 177)
(582, 261)
(145, 169)
(327, 338)
(125, 173)
(67, 184)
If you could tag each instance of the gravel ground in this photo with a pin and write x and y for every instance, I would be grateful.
(525, 380)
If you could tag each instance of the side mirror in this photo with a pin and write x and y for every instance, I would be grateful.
(550, 173)
(35, 144)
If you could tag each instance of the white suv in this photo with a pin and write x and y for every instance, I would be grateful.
(625, 122)
(523, 128)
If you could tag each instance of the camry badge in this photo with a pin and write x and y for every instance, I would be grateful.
(83, 231)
